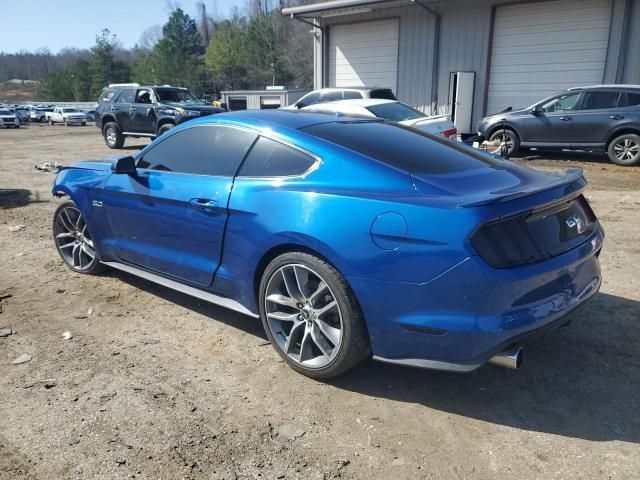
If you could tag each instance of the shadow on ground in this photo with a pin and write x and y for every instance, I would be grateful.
(588, 157)
(18, 197)
(581, 381)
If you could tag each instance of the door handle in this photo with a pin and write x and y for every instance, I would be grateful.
(204, 204)
(616, 117)
(565, 119)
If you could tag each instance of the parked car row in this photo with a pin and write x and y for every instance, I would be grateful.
(42, 113)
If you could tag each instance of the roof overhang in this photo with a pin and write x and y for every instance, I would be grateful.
(334, 8)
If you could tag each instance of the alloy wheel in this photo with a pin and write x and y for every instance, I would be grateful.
(626, 149)
(111, 136)
(73, 240)
(303, 316)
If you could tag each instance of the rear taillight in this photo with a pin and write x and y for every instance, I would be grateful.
(451, 134)
(536, 235)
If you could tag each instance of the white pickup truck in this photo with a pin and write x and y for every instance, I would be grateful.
(389, 110)
(66, 115)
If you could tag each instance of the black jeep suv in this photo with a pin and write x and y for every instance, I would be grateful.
(132, 110)
(603, 118)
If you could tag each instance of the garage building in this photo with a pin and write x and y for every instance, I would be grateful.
(469, 58)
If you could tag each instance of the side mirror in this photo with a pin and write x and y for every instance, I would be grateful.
(299, 105)
(535, 111)
(124, 165)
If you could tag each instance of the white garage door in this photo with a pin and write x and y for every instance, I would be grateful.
(541, 48)
(364, 54)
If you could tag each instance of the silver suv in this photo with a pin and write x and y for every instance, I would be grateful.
(342, 93)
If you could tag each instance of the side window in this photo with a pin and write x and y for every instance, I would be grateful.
(331, 96)
(126, 96)
(351, 95)
(269, 158)
(203, 150)
(309, 99)
(562, 103)
(600, 100)
(633, 99)
(143, 96)
(107, 95)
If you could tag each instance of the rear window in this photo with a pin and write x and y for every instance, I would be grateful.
(351, 95)
(396, 112)
(633, 99)
(107, 95)
(401, 147)
(383, 94)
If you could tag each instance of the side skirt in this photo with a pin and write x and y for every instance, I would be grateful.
(180, 287)
(429, 364)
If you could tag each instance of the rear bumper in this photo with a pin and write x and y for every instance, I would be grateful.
(462, 318)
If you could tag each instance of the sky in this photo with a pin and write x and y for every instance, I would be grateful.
(55, 24)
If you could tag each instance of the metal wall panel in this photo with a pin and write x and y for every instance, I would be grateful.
(541, 48)
(632, 65)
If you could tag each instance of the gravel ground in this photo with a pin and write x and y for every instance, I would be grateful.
(155, 384)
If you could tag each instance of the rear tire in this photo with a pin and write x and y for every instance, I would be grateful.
(625, 150)
(311, 316)
(510, 137)
(112, 135)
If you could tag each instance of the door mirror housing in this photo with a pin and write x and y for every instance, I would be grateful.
(124, 165)
(535, 111)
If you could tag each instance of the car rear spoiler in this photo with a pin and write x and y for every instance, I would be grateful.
(573, 179)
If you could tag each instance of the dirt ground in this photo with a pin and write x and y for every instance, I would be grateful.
(155, 384)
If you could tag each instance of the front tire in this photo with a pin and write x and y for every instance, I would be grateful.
(625, 150)
(73, 241)
(509, 137)
(311, 316)
(112, 135)
(165, 128)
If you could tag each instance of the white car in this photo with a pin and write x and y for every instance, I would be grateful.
(9, 119)
(390, 110)
(66, 115)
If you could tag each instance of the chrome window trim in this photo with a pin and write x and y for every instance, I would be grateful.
(317, 159)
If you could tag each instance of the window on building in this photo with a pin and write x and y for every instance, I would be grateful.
(237, 103)
(269, 101)
(203, 150)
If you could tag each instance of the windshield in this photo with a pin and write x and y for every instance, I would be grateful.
(396, 112)
(177, 96)
(69, 110)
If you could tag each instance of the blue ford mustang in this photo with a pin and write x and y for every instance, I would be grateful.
(347, 237)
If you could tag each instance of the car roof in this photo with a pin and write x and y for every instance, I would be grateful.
(360, 102)
(294, 119)
(361, 89)
(606, 87)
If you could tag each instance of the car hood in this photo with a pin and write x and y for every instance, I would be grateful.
(103, 164)
(494, 184)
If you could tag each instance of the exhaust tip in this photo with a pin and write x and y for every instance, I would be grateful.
(510, 358)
